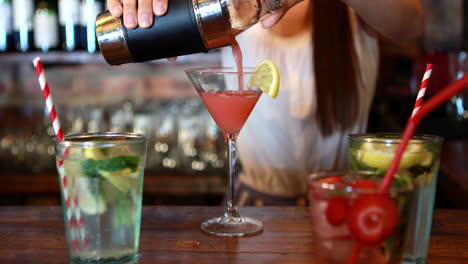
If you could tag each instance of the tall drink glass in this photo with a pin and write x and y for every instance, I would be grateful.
(418, 168)
(102, 194)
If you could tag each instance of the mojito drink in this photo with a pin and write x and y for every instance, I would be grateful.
(353, 222)
(104, 177)
(418, 169)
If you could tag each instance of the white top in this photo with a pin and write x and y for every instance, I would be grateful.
(281, 143)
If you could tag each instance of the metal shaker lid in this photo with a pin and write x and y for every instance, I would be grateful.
(110, 36)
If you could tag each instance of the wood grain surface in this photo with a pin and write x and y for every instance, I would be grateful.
(171, 234)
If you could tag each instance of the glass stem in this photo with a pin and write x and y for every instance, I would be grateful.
(231, 204)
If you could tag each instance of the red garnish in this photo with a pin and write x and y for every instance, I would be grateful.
(364, 184)
(372, 218)
(337, 210)
(331, 180)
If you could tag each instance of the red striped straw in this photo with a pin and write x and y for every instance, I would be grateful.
(71, 204)
(422, 89)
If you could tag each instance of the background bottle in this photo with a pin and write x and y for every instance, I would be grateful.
(46, 35)
(23, 11)
(69, 22)
(89, 11)
(6, 38)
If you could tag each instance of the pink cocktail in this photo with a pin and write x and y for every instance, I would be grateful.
(353, 222)
(230, 109)
(230, 105)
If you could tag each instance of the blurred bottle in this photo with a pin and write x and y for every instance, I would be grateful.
(89, 10)
(165, 147)
(69, 18)
(190, 135)
(6, 38)
(23, 12)
(45, 26)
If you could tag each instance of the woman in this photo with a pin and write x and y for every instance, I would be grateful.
(327, 55)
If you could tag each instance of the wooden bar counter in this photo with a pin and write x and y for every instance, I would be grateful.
(35, 234)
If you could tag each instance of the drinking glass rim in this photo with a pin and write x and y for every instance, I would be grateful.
(130, 139)
(220, 70)
(344, 187)
(370, 137)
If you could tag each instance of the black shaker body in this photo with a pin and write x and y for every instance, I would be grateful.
(174, 34)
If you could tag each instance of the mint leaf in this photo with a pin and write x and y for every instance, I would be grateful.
(92, 167)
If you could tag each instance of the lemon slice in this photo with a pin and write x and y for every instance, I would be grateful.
(123, 180)
(266, 77)
(379, 156)
(96, 153)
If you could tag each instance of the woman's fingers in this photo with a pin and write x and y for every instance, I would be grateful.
(271, 19)
(115, 7)
(130, 13)
(159, 7)
(145, 13)
(143, 17)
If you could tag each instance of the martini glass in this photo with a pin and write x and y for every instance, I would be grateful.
(230, 102)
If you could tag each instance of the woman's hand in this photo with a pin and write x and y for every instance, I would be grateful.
(270, 20)
(143, 17)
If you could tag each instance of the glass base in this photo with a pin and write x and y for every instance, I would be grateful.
(413, 260)
(130, 259)
(232, 226)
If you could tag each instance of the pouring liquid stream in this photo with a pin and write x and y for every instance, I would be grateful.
(237, 53)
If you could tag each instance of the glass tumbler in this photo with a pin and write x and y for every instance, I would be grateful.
(101, 182)
(418, 168)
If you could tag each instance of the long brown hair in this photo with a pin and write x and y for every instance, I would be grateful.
(335, 66)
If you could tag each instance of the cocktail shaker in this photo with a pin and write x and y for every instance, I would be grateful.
(189, 26)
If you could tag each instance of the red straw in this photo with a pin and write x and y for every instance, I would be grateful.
(422, 89)
(63, 178)
(441, 97)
